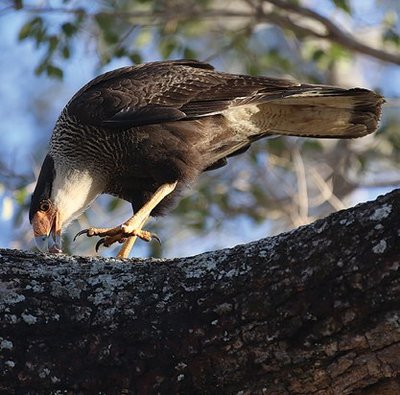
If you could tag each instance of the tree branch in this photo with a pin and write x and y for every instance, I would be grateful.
(333, 32)
(284, 20)
(315, 310)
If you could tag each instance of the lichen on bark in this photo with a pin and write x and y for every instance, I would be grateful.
(315, 310)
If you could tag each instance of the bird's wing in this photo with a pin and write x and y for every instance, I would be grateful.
(169, 91)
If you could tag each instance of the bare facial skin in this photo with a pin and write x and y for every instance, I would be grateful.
(46, 228)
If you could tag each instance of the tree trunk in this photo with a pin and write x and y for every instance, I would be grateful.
(312, 311)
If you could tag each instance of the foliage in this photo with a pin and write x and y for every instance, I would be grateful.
(272, 37)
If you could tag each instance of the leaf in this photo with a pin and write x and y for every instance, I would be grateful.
(53, 43)
(39, 69)
(120, 52)
(189, 53)
(20, 195)
(104, 21)
(390, 36)
(66, 53)
(312, 145)
(113, 204)
(343, 5)
(54, 71)
(30, 28)
(69, 29)
(135, 57)
(317, 55)
(166, 47)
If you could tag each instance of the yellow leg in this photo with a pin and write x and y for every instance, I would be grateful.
(127, 246)
(132, 228)
(141, 216)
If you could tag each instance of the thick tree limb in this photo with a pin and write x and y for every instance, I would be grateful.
(312, 311)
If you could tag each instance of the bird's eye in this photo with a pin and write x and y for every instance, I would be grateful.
(44, 205)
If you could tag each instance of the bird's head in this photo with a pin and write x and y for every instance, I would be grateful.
(62, 193)
(44, 215)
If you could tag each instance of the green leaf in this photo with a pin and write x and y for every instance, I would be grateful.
(30, 28)
(317, 55)
(20, 195)
(53, 43)
(390, 36)
(312, 145)
(135, 57)
(167, 46)
(113, 204)
(54, 71)
(39, 69)
(343, 5)
(189, 53)
(69, 29)
(66, 53)
(120, 52)
(337, 52)
(104, 21)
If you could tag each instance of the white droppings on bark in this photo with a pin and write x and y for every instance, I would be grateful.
(6, 344)
(44, 373)
(380, 247)
(223, 308)
(29, 318)
(381, 212)
(320, 228)
(8, 297)
(346, 221)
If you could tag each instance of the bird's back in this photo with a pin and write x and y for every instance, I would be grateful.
(139, 127)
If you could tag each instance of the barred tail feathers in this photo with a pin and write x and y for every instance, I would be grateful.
(330, 112)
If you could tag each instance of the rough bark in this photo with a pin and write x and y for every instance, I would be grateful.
(312, 311)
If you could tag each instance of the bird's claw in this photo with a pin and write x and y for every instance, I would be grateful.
(109, 240)
(80, 233)
(99, 243)
(113, 235)
(155, 237)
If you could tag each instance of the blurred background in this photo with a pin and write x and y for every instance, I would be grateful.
(49, 49)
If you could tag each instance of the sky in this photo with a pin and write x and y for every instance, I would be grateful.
(28, 116)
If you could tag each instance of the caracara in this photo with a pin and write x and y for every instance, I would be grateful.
(144, 133)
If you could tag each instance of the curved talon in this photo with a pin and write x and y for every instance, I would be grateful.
(99, 243)
(80, 233)
(154, 236)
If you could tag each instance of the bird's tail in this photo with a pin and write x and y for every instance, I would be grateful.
(319, 112)
(304, 110)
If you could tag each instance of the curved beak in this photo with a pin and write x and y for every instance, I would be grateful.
(47, 231)
(49, 243)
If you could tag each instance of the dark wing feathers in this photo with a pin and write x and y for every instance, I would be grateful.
(149, 114)
(168, 91)
(162, 92)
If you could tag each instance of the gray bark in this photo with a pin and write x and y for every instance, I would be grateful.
(312, 311)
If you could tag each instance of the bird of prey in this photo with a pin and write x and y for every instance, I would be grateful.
(143, 133)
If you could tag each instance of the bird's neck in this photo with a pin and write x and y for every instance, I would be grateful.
(73, 191)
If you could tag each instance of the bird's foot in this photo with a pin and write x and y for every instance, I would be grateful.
(119, 234)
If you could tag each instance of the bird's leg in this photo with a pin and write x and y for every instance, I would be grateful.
(127, 247)
(133, 226)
